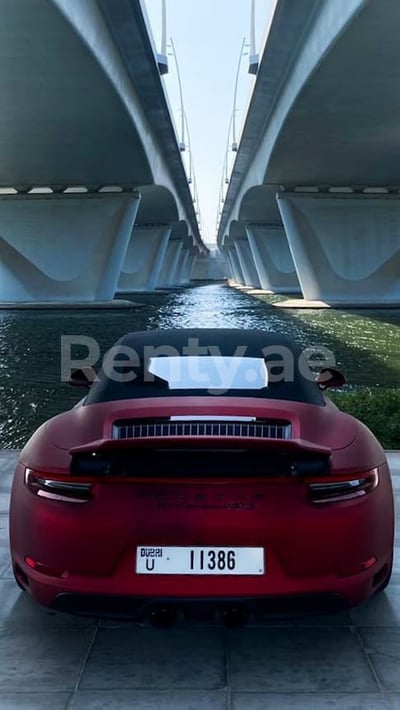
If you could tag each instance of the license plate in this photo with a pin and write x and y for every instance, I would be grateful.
(200, 560)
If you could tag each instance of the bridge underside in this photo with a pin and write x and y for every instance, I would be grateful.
(343, 128)
(331, 159)
(72, 124)
(62, 121)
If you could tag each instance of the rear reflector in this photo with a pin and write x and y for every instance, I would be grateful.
(368, 563)
(44, 569)
(336, 491)
(53, 489)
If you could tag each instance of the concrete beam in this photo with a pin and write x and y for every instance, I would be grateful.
(346, 249)
(144, 258)
(64, 248)
(272, 258)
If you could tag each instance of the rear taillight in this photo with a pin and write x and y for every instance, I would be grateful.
(340, 490)
(53, 489)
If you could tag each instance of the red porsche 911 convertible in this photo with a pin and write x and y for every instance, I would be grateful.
(204, 473)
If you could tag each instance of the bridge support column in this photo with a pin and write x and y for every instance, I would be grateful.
(184, 267)
(272, 258)
(247, 264)
(190, 266)
(236, 267)
(346, 249)
(144, 258)
(228, 265)
(187, 267)
(170, 266)
(63, 248)
(228, 261)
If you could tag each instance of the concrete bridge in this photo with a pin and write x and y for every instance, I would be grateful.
(313, 204)
(94, 196)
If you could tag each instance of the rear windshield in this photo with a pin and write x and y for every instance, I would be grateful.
(219, 372)
(203, 375)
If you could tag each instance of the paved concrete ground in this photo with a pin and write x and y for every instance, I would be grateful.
(47, 660)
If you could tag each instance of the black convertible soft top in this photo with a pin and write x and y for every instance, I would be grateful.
(226, 339)
(290, 377)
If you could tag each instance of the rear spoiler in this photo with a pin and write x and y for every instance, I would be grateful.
(189, 442)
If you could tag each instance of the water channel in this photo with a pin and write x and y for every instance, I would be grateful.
(366, 344)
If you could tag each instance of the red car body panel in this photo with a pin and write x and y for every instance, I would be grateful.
(339, 548)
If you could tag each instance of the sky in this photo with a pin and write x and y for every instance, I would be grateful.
(208, 36)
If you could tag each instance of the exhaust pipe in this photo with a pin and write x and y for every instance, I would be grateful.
(164, 617)
(235, 617)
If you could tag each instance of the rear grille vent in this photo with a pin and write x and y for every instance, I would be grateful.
(276, 429)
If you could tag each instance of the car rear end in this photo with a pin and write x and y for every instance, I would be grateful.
(196, 507)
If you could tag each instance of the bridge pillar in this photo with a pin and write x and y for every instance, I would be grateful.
(190, 266)
(63, 248)
(144, 258)
(169, 268)
(231, 265)
(184, 267)
(235, 265)
(228, 266)
(272, 258)
(346, 249)
(247, 264)
(228, 260)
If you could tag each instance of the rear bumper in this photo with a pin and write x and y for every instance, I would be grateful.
(199, 609)
(262, 596)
